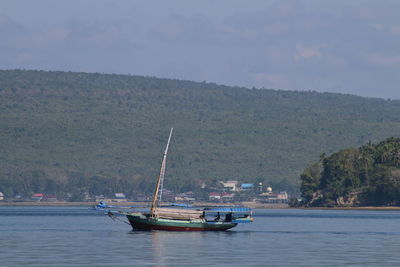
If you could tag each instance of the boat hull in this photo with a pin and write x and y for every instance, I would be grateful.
(148, 224)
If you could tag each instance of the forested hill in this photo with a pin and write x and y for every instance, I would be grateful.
(364, 176)
(65, 131)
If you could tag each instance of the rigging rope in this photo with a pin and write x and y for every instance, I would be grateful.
(116, 218)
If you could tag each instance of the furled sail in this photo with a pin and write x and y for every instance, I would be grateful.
(160, 181)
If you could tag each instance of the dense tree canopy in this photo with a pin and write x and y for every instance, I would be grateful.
(368, 175)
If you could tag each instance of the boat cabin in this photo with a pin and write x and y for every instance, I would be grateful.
(228, 214)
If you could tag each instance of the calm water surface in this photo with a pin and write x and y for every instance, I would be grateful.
(76, 236)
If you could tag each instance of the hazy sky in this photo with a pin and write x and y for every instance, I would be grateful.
(336, 46)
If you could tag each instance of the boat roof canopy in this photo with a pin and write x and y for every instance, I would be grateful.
(229, 209)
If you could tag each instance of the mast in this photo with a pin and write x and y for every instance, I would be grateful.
(160, 181)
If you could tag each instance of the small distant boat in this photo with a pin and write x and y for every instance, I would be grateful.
(184, 218)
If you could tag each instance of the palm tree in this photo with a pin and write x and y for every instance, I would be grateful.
(365, 157)
(349, 163)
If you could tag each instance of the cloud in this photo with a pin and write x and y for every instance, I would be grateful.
(395, 29)
(384, 60)
(303, 52)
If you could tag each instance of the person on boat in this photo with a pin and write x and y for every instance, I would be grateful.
(228, 217)
(218, 217)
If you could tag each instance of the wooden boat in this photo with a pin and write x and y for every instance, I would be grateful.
(186, 219)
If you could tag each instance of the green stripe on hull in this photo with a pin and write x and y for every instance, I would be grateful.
(143, 223)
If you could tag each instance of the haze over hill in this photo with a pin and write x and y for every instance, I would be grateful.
(63, 126)
(330, 46)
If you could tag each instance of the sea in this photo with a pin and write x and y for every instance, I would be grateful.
(78, 236)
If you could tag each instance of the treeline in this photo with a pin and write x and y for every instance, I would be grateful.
(364, 176)
(57, 124)
(77, 186)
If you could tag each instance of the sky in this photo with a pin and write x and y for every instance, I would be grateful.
(342, 46)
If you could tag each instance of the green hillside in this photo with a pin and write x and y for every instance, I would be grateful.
(65, 131)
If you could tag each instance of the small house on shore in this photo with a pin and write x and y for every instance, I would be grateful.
(221, 196)
(230, 185)
(187, 196)
(37, 197)
(120, 197)
(246, 187)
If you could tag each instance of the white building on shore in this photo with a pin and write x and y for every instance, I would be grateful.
(230, 185)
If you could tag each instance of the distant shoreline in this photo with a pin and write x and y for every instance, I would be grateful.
(67, 204)
(353, 208)
(252, 205)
